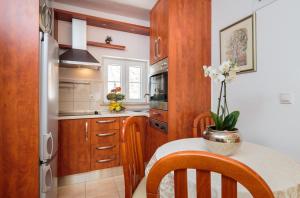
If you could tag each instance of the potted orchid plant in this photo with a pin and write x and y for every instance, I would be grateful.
(223, 137)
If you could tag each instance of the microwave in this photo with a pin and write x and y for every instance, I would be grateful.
(158, 85)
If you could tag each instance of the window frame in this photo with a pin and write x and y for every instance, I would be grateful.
(125, 63)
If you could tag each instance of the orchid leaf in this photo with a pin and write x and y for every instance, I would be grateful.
(231, 120)
(218, 121)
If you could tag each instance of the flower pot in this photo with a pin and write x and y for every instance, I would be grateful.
(222, 142)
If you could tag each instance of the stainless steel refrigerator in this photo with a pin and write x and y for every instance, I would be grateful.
(48, 115)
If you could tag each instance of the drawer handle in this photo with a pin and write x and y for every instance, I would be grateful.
(105, 121)
(105, 160)
(105, 134)
(105, 147)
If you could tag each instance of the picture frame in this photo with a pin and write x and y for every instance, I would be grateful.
(238, 44)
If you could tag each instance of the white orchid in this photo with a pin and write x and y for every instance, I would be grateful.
(226, 72)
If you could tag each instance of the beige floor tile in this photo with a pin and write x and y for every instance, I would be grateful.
(72, 191)
(112, 195)
(101, 188)
(122, 194)
(119, 181)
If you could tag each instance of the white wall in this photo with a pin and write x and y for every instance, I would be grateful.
(263, 119)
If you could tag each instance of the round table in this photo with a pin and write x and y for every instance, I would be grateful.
(281, 173)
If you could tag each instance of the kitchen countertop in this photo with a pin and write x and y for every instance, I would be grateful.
(105, 115)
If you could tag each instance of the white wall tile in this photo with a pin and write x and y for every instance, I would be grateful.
(66, 106)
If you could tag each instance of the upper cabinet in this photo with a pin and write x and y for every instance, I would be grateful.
(159, 31)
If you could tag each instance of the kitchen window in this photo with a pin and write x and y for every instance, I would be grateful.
(130, 75)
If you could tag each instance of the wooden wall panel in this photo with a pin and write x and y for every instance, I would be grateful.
(19, 98)
(65, 15)
(189, 50)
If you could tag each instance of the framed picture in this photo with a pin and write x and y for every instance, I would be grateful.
(237, 44)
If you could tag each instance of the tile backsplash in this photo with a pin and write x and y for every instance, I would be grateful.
(77, 96)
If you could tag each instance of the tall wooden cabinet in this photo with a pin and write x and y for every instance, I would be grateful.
(159, 31)
(184, 27)
(189, 49)
(74, 146)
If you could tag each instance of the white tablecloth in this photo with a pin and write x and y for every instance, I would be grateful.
(280, 172)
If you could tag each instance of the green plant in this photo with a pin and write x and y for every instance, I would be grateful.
(224, 74)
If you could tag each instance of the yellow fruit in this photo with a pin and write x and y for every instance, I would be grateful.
(118, 108)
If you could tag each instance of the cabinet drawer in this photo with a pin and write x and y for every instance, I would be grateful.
(159, 115)
(105, 124)
(105, 161)
(105, 137)
(98, 151)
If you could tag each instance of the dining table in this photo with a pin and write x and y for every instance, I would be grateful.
(280, 172)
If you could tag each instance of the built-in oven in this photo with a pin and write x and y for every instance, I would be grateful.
(159, 85)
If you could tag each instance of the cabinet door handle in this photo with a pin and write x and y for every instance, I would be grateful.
(105, 160)
(105, 134)
(86, 131)
(158, 46)
(105, 147)
(155, 49)
(105, 121)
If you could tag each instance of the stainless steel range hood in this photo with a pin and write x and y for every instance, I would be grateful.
(78, 56)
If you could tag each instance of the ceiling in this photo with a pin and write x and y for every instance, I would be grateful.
(130, 8)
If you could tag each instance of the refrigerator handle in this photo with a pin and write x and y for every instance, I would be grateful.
(45, 169)
(48, 155)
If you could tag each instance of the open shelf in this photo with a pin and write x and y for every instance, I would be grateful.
(96, 44)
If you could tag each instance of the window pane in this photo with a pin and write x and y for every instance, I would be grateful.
(114, 73)
(112, 85)
(134, 91)
(134, 74)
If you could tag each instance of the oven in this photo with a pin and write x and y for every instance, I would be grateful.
(158, 85)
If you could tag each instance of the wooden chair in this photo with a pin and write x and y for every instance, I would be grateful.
(132, 159)
(231, 170)
(201, 122)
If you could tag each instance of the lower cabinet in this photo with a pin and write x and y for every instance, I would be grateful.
(74, 147)
(91, 144)
(105, 149)
(154, 139)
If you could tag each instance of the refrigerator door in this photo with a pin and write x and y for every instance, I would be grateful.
(48, 179)
(48, 97)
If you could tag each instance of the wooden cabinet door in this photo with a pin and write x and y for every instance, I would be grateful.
(154, 139)
(153, 36)
(162, 29)
(159, 25)
(74, 147)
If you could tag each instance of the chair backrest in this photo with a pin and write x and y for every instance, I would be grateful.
(132, 155)
(201, 122)
(231, 170)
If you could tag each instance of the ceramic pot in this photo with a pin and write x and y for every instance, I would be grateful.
(222, 142)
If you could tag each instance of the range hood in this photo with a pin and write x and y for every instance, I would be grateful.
(78, 56)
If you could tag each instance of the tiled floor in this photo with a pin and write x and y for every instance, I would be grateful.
(111, 187)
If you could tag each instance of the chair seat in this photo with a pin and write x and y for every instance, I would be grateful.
(140, 191)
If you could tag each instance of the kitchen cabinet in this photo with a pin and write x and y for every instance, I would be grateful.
(181, 31)
(74, 146)
(105, 149)
(159, 31)
(91, 144)
(154, 139)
